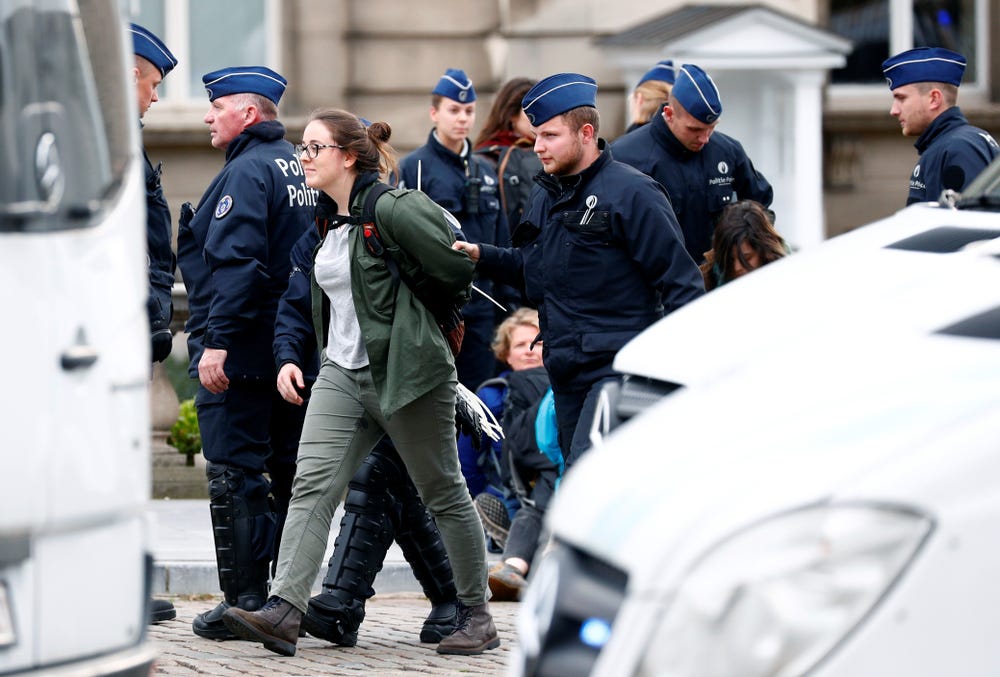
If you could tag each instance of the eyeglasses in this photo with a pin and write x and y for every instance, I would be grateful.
(313, 149)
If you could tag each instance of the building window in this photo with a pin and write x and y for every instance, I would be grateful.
(880, 28)
(205, 36)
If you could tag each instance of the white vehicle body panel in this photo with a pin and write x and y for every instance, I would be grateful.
(821, 378)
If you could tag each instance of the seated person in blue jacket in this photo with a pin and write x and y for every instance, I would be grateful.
(535, 464)
(488, 480)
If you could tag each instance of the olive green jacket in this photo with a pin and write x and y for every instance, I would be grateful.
(407, 352)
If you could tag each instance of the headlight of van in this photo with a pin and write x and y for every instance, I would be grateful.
(777, 597)
(567, 613)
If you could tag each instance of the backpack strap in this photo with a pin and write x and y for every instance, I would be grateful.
(501, 168)
(369, 230)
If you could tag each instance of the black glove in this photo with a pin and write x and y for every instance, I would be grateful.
(162, 343)
(186, 214)
(467, 422)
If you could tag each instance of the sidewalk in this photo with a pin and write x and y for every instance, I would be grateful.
(184, 554)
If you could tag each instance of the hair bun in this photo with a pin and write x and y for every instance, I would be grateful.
(380, 131)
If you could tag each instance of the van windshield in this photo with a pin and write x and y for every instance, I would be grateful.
(63, 114)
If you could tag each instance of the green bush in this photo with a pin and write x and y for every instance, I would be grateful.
(184, 433)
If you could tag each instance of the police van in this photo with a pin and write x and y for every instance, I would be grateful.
(74, 563)
(805, 474)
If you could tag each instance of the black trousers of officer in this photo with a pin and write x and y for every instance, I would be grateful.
(247, 431)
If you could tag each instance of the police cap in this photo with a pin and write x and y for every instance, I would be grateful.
(694, 90)
(924, 64)
(557, 94)
(663, 71)
(455, 85)
(152, 49)
(244, 80)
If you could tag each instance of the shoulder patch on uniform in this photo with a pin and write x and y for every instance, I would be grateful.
(225, 204)
(916, 171)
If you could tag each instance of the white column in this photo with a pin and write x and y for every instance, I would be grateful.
(805, 226)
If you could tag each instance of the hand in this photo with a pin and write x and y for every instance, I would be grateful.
(162, 343)
(210, 370)
(290, 383)
(467, 422)
(471, 249)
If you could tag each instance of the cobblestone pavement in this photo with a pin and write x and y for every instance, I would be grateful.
(388, 644)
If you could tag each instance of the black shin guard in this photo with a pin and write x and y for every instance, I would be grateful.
(241, 518)
(359, 551)
(419, 539)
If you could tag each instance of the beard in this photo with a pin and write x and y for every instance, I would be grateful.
(569, 163)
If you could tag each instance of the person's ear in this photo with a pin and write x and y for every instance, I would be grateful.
(936, 99)
(135, 74)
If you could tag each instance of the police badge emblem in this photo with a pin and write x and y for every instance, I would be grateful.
(225, 204)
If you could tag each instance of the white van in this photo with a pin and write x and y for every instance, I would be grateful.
(809, 482)
(74, 354)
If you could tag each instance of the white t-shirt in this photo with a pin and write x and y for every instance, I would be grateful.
(345, 346)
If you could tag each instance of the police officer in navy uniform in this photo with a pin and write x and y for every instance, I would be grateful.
(233, 252)
(152, 63)
(924, 84)
(703, 170)
(465, 184)
(599, 252)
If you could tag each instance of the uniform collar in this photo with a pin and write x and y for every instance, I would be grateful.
(268, 130)
(945, 122)
(447, 153)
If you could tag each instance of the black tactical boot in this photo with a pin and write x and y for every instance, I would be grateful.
(238, 514)
(275, 625)
(161, 610)
(475, 633)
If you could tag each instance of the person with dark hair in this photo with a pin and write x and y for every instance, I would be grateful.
(924, 84)
(598, 252)
(505, 123)
(744, 240)
(701, 169)
(506, 140)
(233, 251)
(370, 386)
(152, 63)
(464, 183)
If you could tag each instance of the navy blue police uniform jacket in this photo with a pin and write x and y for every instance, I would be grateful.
(599, 275)
(952, 153)
(445, 177)
(699, 184)
(162, 261)
(294, 332)
(233, 250)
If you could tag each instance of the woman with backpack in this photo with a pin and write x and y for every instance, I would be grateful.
(507, 141)
(386, 369)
